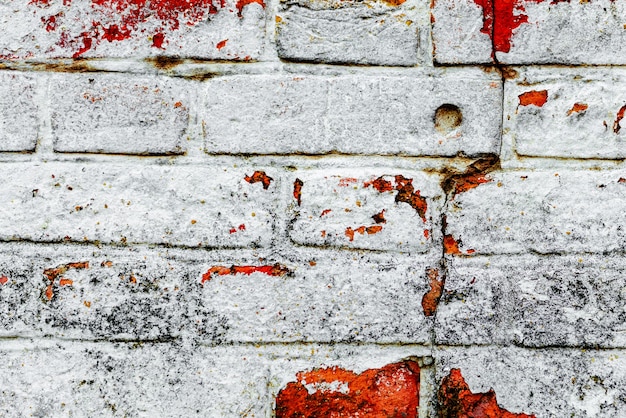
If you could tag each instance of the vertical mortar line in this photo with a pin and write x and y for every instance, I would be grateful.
(194, 138)
(425, 45)
(507, 144)
(45, 141)
(280, 231)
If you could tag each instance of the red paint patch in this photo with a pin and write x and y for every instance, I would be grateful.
(242, 227)
(380, 184)
(426, 233)
(259, 177)
(407, 194)
(536, 98)
(297, 190)
(325, 212)
(430, 300)
(379, 218)
(468, 182)
(509, 15)
(456, 400)
(221, 44)
(347, 181)
(370, 230)
(242, 3)
(3, 280)
(577, 108)
(275, 270)
(157, 40)
(620, 115)
(391, 391)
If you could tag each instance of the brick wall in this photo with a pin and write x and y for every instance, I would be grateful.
(302, 208)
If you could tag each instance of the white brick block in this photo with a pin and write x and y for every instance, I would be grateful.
(118, 294)
(462, 31)
(18, 112)
(435, 112)
(542, 383)
(567, 113)
(119, 114)
(134, 203)
(367, 209)
(535, 301)
(545, 212)
(376, 32)
(43, 29)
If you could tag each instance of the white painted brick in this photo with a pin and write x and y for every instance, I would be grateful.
(576, 112)
(199, 29)
(134, 203)
(167, 294)
(561, 32)
(18, 112)
(534, 301)
(353, 114)
(368, 209)
(373, 32)
(543, 211)
(462, 31)
(545, 383)
(42, 378)
(111, 113)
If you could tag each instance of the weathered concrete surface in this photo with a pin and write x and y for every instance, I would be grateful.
(540, 211)
(556, 382)
(239, 296)
(368, 209)
(19, 124)
(534, 301)
(370, 32)
(570, 112)
(360, 115)
(134, 203)
(119, 114)
(43, 29)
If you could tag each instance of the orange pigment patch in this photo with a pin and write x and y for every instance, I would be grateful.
(380, 184)
(347, 181)
(577, 108)
(275, 270)
(49, 292)
(534, 97)
(325, 212)
(620, 115)
(53, 273)
(450, 245)
(221, 44)
(468, 182)
(370, 230)
(3, 280)
(65, 282)
(430, 300)
(391, 391)
(259, 177)
(297, 190)
(456, 400)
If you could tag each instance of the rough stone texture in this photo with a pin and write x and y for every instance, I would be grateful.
(462, 31)
(581, 116)
(121, 114)
(354, 114)
(562, 32)
(542, 211)
(369, 32)
(126, 204)
(18, 112)
(535, 301)
(127, 294)
(42, 29)
(555, 382)
(374, 210)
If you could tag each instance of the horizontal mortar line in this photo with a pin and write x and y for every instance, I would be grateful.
(537, 253)
(546, 347)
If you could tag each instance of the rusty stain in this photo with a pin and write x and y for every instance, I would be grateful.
(379, 218)
(297, 190)
(370, 230)
(430, 300)
(456, 400)
(87, 304)
(533, 97)
(620, 115)
(164, 63)
(391, 391)
(275, 270)
(259, 177)
(473, 176)
(577, 108)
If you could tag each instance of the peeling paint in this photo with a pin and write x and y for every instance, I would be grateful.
(533, 97)
(259, 177)
(430, 300)
(297, 190)
(276, 270)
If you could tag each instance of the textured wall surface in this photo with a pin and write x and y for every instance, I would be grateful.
(313, 208)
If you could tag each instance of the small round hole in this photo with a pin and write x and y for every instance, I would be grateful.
(448, 117)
